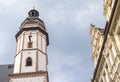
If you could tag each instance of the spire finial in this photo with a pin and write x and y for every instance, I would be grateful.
(33, 12)
(33, 7)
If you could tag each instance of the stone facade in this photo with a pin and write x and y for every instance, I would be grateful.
(106, 45)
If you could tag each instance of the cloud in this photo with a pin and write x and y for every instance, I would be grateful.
(69, 67)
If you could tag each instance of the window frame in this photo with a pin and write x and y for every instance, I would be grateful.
(29, 62)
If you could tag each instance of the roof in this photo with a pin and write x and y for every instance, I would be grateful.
(4, 71)
(101, 30)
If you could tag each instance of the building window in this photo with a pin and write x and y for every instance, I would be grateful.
(30, 44)
(29, 62)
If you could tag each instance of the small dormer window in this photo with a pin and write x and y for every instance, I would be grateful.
(28, 61)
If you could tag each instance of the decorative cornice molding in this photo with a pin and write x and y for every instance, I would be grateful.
(33, 28)
(30, 74)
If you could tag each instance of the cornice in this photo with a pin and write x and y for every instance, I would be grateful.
(27, 75)
(33, 28)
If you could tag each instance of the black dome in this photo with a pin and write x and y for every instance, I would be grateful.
(33, 13)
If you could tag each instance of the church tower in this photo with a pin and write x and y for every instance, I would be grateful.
(31, 60)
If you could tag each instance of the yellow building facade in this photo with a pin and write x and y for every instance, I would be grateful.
(106, 45)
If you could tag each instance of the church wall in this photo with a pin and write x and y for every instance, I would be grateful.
(26, 39)
(18, 44)
(29, 79)
(42, 62)
(44, 44)
(21, 42)
(17, 63)
(39, 41)
(26, 54)
(34, 39)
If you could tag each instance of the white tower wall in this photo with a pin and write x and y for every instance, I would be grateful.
(31, 51)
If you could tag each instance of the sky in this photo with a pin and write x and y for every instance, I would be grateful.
(68, 24)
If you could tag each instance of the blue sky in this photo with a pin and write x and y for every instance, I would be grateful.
(67, 22)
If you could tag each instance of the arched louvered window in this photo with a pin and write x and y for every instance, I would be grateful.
(28, 61)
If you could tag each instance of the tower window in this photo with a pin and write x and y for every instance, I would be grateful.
(30, 44)
(29, 62)
(33, 14)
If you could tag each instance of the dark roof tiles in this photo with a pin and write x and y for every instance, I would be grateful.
(4, 71)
